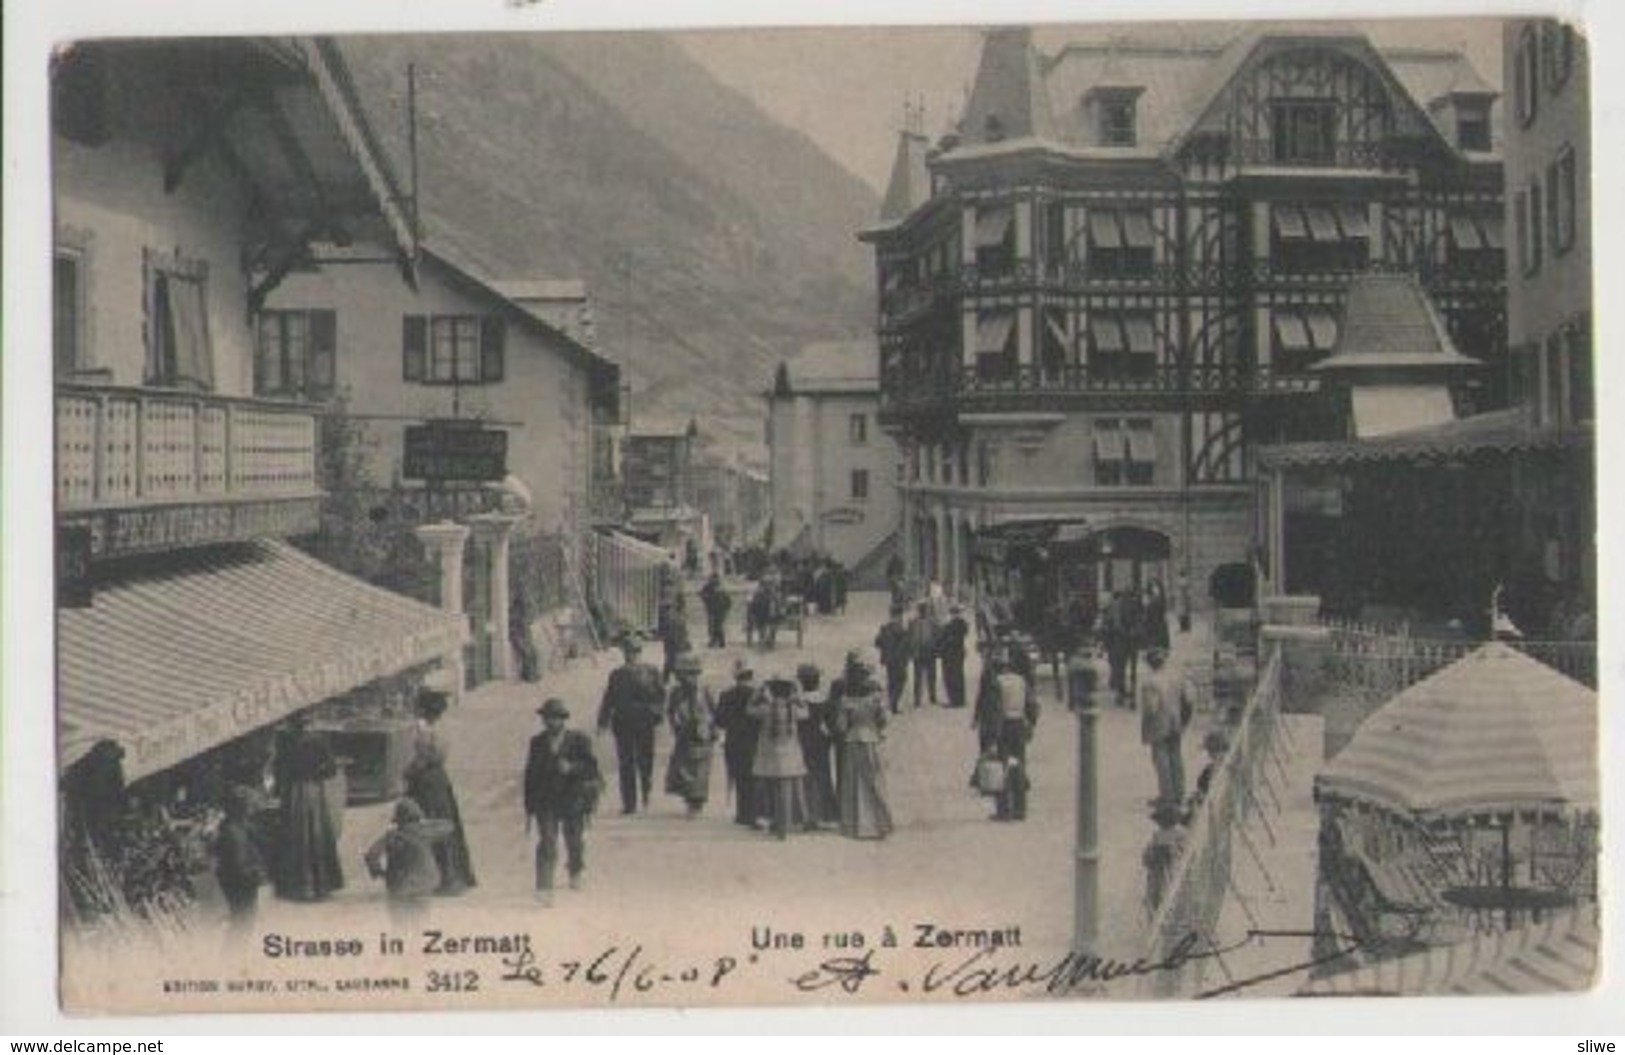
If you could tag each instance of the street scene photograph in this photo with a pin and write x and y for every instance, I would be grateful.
(1076, 512)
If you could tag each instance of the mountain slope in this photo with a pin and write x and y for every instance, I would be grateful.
(714, 241)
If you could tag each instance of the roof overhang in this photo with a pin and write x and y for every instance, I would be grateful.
(1499, 432)
(283, 118)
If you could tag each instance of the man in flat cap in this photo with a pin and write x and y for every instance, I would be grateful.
(562, 783)
(631, 708)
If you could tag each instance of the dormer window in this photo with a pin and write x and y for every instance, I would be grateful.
(1473, 126)
(1114, 113)
(1117, 123)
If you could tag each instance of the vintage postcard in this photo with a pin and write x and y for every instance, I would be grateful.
(1077, 512)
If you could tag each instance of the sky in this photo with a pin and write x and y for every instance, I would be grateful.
(845, 88)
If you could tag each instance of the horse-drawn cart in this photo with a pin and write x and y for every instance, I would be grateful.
(770, 610)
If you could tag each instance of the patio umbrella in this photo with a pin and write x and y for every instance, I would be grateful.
(1494, 733)
(1492, 737)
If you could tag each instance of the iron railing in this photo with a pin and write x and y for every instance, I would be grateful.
(967, 387)
(1184, 921)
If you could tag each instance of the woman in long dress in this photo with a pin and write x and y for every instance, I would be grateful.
(307, 866)
(861, 722)
(817, 747)
(778, 767)
(429, 786)
(692, 714)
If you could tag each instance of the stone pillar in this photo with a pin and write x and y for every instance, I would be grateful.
(491, 532)
(1083, 690)
(1304, 648)
(445, 542)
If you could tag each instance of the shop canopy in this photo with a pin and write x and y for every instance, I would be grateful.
(1495, 732)
(198, 648)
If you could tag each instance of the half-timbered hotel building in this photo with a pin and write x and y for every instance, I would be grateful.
(1113, 279)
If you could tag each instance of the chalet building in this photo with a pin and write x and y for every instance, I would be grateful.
(833, 469)
(190, 178)
(1109, 285)
(657, 466)
(565, 305)
(453, 349)
(471, 406)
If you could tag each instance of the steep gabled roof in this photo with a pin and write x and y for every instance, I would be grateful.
(910, 185)
(1183, 70)
(1260, 43)
(1009, 100)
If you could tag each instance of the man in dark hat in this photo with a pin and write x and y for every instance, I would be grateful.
(893, 644)
(951, 639)
(562, 783)
(714, 596)
(631, 708)
(739, 730)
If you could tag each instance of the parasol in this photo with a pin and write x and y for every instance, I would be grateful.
(1491, 738)
(1494, 733)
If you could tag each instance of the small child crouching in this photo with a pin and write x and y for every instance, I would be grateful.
(403, 857)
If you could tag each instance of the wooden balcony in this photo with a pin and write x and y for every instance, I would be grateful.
(147, 469)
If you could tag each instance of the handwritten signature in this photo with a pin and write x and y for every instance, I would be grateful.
(987, 970)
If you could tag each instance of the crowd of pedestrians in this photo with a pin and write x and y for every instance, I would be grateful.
(798, 756)
(801, 751)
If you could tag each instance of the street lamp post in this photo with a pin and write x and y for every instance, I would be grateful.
(1083, 681)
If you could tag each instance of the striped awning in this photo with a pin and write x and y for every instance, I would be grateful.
(1495, 732)
(195, 650)
(1559, 954)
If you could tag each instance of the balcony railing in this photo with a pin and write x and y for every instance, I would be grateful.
(904, 306)
(122, 448)
(1034, 385)
(1380, 154)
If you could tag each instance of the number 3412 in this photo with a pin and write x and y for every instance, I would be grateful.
(453, 981)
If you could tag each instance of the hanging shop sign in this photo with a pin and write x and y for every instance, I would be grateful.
(455, 450)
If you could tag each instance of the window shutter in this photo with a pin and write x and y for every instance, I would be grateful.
(323, 349)
(414, 347)
(265, 346)
(492, 334)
